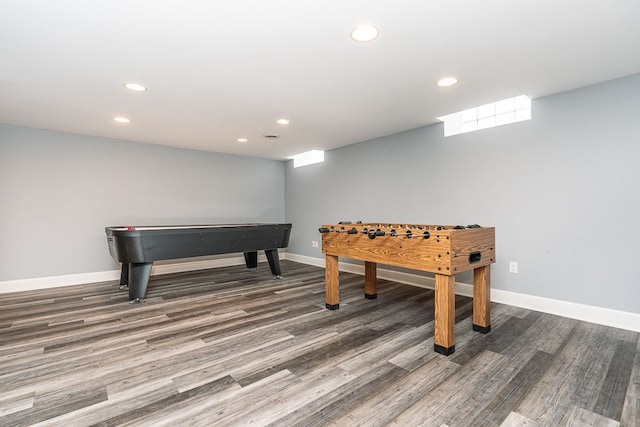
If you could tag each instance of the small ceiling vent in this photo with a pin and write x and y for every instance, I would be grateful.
(271, 137)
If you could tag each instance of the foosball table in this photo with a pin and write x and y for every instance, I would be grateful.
(444, 250)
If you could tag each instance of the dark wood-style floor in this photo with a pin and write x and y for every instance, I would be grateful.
(231, 346)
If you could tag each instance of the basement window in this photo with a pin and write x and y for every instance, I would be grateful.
(307, 158)
(498, 113)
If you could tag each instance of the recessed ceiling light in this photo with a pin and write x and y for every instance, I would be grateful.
(283, 121)
(242, 140)
(447, 81)
(135, 87)
(121, 119)
(364, 33)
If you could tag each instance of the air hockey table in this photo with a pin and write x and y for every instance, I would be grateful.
(137, 247)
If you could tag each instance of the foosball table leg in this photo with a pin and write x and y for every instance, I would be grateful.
(370, 272)
(481, 300)
(445, 315)
(332, 284)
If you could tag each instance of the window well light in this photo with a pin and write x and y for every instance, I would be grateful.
(364, 33)
(447, 81)
(121, 119)
(498, 113)
(307, 158)
(136, 87)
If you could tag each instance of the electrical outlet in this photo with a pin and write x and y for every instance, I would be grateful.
(314, 243)
(513, 267)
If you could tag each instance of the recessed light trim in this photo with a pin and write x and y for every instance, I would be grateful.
(135, 87)
(364, 33)
(283, 121)
(447, 81)
(121, 119)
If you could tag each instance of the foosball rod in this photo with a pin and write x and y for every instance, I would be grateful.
(375, 233)
(436, 228)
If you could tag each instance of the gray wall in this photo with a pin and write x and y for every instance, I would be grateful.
(58, 191)
(562, 190)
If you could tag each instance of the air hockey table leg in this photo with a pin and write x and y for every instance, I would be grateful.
(274, 262)
(251, 260)
(139, 274)
(124, 276)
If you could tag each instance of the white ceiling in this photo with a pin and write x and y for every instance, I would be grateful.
(221, 70)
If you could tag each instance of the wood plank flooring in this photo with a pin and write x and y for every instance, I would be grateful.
(231, 346)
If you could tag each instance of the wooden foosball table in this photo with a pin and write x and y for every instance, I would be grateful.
(444, 250)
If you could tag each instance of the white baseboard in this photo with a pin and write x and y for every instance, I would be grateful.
(57, 281)
(104, 276)
(587, 313)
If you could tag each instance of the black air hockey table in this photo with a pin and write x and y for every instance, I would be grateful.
(138, 247)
